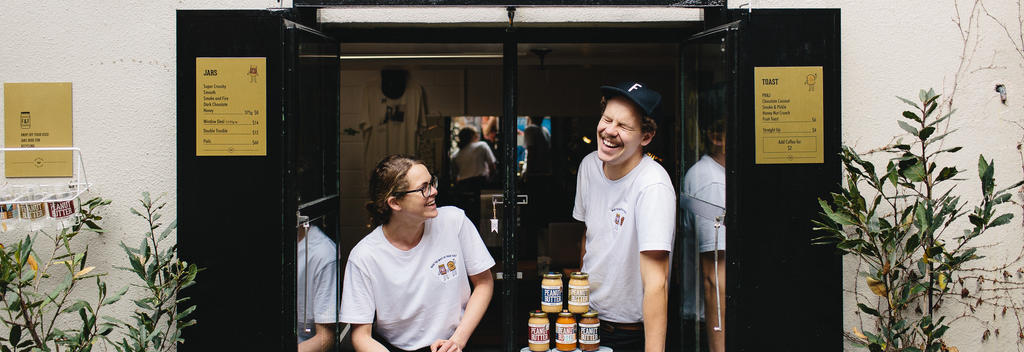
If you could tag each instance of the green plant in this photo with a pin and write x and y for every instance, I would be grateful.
(901, 222)
(35, 305)
(158, 322)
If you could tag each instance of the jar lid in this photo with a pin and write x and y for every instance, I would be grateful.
(565, 313)
(580, 275)
(538, 314)
(553, 275)
(590, 314)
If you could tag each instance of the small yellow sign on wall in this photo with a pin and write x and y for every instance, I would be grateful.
(788, 114)
(37, 115)
(231, 106)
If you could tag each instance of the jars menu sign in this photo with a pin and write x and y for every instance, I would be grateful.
(231, 106)
(788, 109)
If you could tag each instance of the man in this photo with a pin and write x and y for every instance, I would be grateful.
(628, 204)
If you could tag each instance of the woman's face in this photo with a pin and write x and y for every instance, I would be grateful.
(414, 204)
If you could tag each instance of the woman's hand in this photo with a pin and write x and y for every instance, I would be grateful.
(445, 346)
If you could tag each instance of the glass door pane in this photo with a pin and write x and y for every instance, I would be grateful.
(709, 88)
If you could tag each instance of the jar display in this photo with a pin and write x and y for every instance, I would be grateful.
(579, 293)
(539, 328)
(565, 332)
(551, 293)
(590, 337)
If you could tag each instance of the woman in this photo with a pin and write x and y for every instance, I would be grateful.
(410, 277)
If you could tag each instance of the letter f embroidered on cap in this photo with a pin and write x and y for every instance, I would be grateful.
(634, 87)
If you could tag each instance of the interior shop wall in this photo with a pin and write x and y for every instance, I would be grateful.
(571, 91)
(120, 58)
(962, 50)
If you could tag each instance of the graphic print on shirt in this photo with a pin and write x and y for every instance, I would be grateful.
(444, 267)
(617, 217)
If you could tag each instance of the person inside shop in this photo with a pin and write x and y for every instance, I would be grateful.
(407, 284)
(628, 204)
(473, 164)
(316, 283)
(705, 183)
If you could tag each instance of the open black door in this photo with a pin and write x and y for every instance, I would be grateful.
(773, 77)
(250, 162)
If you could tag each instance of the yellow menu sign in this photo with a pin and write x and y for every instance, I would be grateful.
(37, 115)
(231, 106)
(788, 108)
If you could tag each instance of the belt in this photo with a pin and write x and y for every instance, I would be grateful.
(610, 327)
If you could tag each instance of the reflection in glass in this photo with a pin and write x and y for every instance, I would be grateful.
(316, 289)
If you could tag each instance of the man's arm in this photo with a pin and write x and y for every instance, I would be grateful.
(322, 341)
(362, 339)
(654, 274)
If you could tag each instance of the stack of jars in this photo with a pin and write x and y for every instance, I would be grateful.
(576, 321)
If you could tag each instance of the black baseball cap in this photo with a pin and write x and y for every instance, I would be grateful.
(637, 92)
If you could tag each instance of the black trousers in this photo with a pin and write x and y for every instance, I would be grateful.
(621, 340)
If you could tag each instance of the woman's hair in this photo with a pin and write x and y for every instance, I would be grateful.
(466, 135)
(387, 178)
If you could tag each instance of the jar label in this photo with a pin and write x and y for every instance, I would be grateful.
(588, 334)
(32, 211)
(579, 295)
(551, 295)
(539, 334)
(7, 211)
(61, 209)
(565, 333)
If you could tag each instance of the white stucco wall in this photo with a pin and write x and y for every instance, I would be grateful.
(120, 57)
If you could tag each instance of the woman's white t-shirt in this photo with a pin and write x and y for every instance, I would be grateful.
(419, 295)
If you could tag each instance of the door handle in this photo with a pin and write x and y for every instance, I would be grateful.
(523, 199)
(500, 275)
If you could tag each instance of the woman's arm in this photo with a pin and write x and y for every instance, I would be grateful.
(363, 341)
(483, 288)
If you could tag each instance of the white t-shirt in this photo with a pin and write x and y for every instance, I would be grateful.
(473, 160)
(316, 282)
(419, 295)
(624, 217)
(390, 125)
(705, 180)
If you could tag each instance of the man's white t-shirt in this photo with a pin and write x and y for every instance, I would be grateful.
(473, 160)
(419, 295)
(316, 282)
(705, 181)
(624, 217)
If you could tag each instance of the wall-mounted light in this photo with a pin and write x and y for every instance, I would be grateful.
(586, 140)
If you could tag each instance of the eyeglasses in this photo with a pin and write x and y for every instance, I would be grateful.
(425, 190)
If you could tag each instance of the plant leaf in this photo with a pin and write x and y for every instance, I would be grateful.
(907, 127)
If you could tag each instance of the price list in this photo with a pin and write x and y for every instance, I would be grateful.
(231, 104)
(788, 108)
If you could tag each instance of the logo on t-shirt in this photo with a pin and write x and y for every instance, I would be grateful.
(444, 267)
(618, 217)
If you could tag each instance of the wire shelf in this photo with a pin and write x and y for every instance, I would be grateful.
(19, 192)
